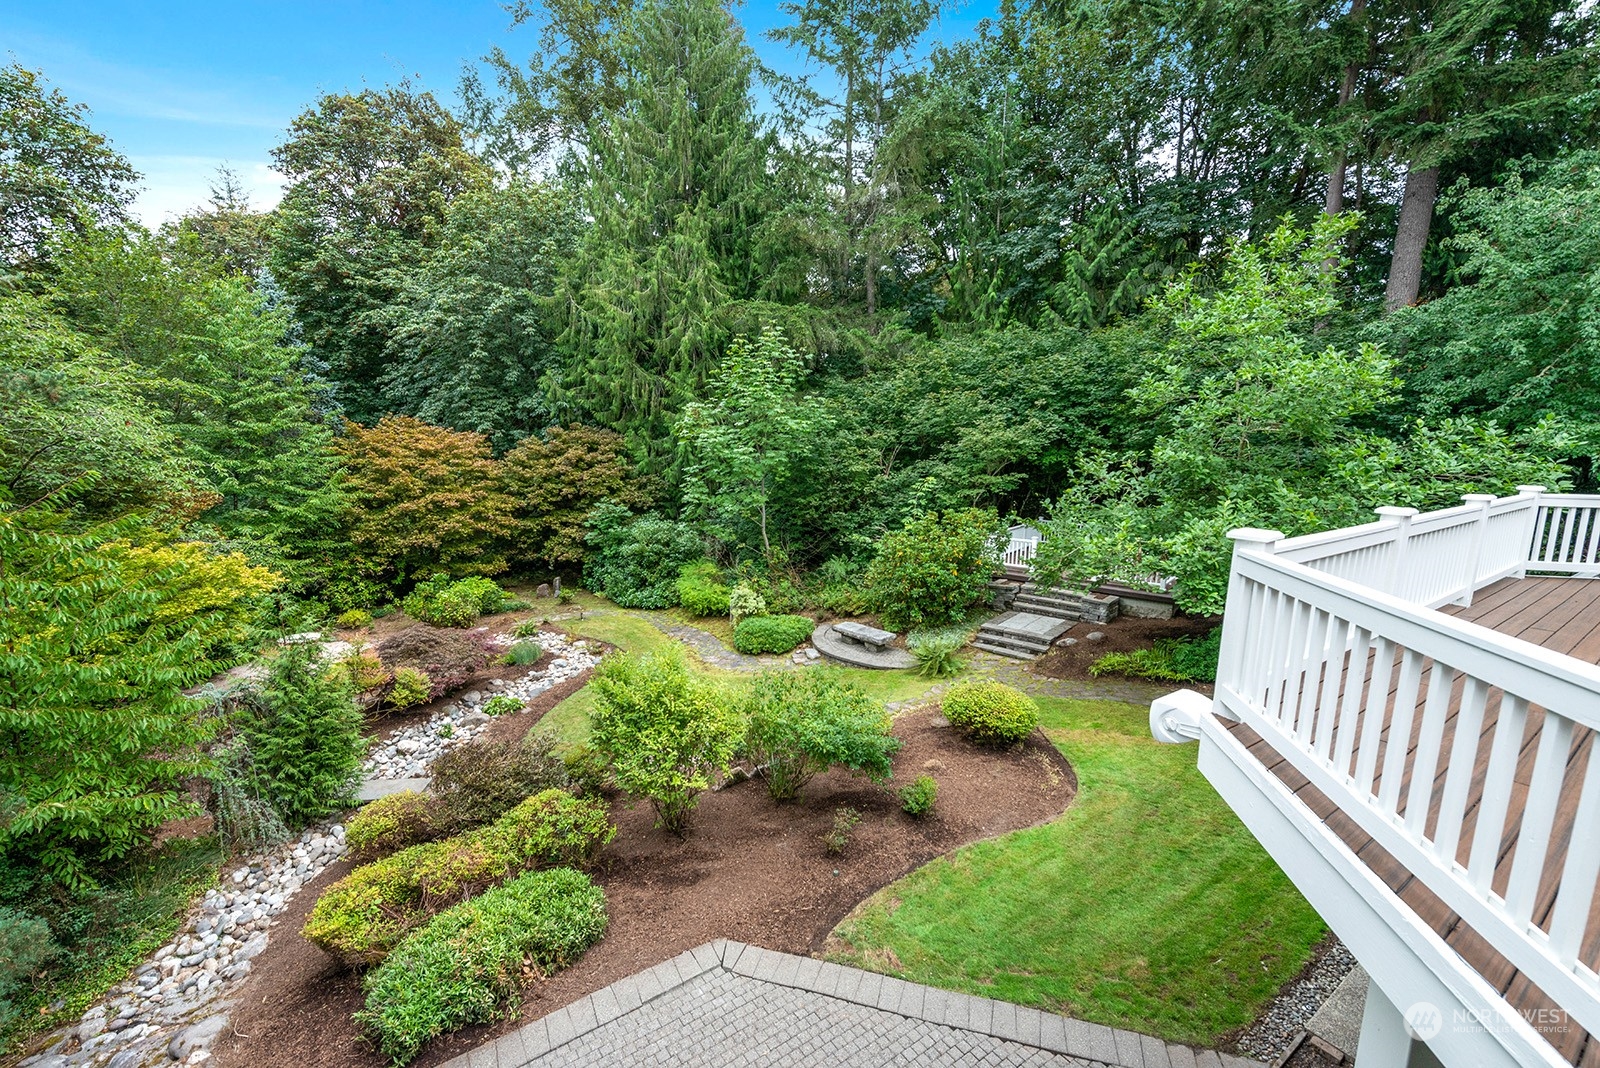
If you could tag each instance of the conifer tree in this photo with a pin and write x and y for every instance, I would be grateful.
(674, 193)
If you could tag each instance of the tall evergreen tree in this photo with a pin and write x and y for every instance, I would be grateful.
(674, 193)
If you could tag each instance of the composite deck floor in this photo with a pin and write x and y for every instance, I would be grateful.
(1563, 615)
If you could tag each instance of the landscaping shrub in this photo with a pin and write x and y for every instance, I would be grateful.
(355, 619)
(701, 590)
(1171, 660)
(245, 819)
(804, 722)
(476, 782)
(528, 628)
(917, 798)
(934, 569)
(521, 654)
(663, 731)
(502, 704)
(991, 712)
(363, 916)
(635, 561)
(771, 634)
(304, 734)
(410, 687)
(25, 946)
(459, 603)
(470, 963)
(936, 651)
(450, 658)
(389, 824)
(363, 672)
(837, 837)
(744, 602)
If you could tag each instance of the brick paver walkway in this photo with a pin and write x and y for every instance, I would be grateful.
(727, 1004)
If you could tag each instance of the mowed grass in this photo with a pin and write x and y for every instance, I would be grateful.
(1147, 905)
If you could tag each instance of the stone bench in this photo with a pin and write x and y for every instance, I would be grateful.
(861, 634)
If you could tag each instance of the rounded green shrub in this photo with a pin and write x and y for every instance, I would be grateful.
(469, 964)
(991, 712)
(931, 572)
(771, 634)
(803, 722)
(362, 917)
(917, 798)
(502, 704)
(521, 654)
(701, 590)
(354, 619)
(389, 824)
(410, 687)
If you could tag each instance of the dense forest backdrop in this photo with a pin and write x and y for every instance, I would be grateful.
(1137, 271)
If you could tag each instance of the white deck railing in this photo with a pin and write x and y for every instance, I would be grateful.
(1321, 629)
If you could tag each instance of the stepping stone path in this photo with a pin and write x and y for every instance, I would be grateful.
(709, 648)
(174, 1006)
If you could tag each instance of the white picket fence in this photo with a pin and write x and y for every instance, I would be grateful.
(1320, 629)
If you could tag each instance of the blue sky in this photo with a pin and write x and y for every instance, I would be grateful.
(181, 87)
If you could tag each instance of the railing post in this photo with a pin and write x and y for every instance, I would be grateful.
(1402, 539)
(1480, 530)
(1247, 541)
(1531, 531)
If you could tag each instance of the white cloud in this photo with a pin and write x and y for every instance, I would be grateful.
(176, 185)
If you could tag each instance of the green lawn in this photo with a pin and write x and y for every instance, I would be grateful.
(1146, 906)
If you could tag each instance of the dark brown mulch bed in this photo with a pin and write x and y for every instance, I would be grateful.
(749, 870)
(1122, 635)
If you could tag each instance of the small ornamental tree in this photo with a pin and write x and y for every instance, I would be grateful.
(804, 722)
(664, 732)
(933, 570)
(424, 498)
(304, 734)
(98, 641)
(554, 483)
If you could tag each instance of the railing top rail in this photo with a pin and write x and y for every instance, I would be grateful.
(1549, 679)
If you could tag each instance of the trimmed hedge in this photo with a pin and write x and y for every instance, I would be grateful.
(771, 634)
(470, 963)
(991, 712)
(388, 824)
(362, 917)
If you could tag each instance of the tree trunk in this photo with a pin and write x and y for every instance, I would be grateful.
(1334, 203)
(1411, 237)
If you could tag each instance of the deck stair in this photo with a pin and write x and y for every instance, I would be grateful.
(1020, 635)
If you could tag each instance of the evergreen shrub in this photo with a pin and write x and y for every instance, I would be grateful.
(771, 634)
(701, 590)
(990, 712)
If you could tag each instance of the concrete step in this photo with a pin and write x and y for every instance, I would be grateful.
(1031, 646)
(1001, 650)
(1047, 606)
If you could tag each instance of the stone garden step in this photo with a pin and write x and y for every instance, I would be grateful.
(1003, 650)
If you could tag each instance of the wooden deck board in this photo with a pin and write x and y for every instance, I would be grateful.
(1560, 614)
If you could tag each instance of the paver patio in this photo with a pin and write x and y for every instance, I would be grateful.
(728, 1003)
